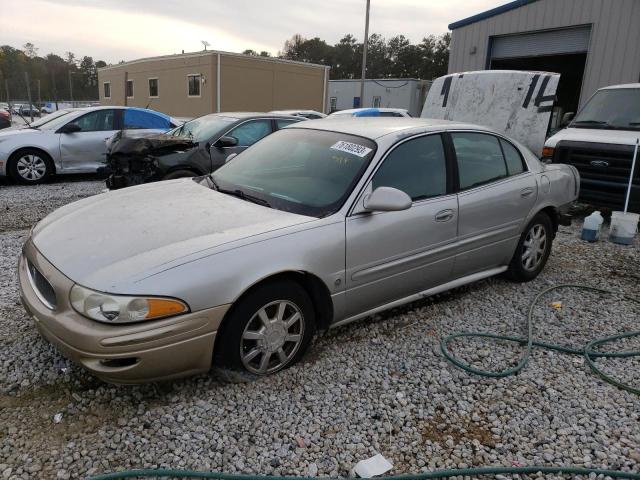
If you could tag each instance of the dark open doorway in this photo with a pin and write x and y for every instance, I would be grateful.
(569, 66)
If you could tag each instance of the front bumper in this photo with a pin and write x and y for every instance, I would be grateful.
(126, 354)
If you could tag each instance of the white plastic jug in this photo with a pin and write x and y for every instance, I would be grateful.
(624, 227)
(591, 227)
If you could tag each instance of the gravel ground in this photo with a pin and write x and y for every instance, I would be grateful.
(379, 385)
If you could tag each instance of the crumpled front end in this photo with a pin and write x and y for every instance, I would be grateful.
(132, 157)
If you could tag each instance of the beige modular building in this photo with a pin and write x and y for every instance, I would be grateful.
(194, 84)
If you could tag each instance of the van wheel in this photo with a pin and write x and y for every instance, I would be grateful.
(30, 166)
(533, 249)
(179, 174)
(268, 330)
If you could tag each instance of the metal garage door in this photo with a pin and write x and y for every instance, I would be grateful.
(554, 42)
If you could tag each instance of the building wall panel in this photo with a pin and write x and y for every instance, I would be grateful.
(614, 56)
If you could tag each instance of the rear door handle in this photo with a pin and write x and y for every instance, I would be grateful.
(526, 192)
(444, 215)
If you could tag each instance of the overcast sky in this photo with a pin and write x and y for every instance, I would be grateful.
(114, 30)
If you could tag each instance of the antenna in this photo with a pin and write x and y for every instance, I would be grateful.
(205, 43)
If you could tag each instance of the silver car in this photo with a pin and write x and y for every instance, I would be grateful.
(317, 225)
(70, 140)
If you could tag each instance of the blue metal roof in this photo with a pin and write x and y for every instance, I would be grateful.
(490, 13)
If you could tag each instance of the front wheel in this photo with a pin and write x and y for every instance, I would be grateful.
(268, 330)
(533, 249)
(30, 166)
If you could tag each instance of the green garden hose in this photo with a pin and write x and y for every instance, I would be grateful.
(464, 472)
(589, 353)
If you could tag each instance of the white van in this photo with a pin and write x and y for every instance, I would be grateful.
(600, 143)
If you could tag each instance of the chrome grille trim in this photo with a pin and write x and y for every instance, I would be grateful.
(34, 284)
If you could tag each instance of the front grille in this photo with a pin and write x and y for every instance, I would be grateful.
(604, 171)
(41, 286)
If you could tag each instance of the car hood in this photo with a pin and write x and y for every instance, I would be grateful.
(594, 135)
(20, 131)
(109, 241)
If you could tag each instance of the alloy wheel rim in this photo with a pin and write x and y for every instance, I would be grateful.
(31, 167)
(534, 247)
(272, 337)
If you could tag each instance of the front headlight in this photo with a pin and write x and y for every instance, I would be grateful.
(108, 308)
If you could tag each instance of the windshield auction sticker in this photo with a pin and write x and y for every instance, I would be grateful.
(352, 148)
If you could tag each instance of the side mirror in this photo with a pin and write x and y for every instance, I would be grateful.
(70, 128)
(387, 199)
(566, 118)
(226, 142)
(230, 157)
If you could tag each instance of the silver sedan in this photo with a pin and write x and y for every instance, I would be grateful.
(317, 225)
(70, 140)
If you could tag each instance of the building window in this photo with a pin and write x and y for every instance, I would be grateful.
(129, 88)
(153, 88)
(194, 84)
(376, 102)
(107, 89)
(333, 104)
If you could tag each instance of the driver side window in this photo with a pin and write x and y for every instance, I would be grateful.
(96, 121)
(249, 133)
(417, 167)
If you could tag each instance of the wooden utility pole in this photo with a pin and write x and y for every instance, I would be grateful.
(70, 88)
(26, 79)
(6, 89)
(365, 46)
(55, 90)
(39, 97)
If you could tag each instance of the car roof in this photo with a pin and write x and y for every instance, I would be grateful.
(289, 112)
(376, 127)
(245, 115)
(626, 85)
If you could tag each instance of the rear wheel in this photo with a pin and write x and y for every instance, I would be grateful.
(179, 174)
(30, 166)
(533, 249)
(268, 330)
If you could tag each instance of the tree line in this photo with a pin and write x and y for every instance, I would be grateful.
(51, 77)
(396, 57)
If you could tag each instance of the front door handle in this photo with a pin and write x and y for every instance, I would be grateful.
(444, 215)
(526, 192)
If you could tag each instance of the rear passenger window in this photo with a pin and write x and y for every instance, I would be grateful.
(512, 156)
(480, 159)
(417, 167)
(139, 119)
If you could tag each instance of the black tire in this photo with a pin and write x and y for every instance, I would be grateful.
(244, 319)
(179, 174)
(523, 269)
(30, 166)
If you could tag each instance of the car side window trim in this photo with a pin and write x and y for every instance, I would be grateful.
(273, 127)
(367, 184)
(489, 183)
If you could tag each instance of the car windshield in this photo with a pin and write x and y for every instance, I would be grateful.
(203, 128)
(53, 120)
(616, 108)
(308, 172)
